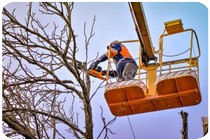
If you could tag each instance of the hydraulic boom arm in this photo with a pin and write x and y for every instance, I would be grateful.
(142, 31)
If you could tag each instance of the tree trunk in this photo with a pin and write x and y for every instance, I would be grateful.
(184, 130)
(205, 125)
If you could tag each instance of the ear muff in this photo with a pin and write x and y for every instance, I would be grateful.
(107, 47)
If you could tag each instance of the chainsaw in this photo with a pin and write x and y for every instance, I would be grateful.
(101, 74)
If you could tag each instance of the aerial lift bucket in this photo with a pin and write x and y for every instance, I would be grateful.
(123, 97)
(181, 87)
(174, 90)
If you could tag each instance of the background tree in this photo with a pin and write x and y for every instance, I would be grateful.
(45, 86)
(205, 125)
(184, 130)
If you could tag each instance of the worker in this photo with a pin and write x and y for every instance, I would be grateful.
(126, 67)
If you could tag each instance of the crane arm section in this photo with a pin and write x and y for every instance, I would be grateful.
(142, 30)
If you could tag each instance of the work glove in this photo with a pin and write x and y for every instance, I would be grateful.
(98, 69)
(94, 64)
(112, 73)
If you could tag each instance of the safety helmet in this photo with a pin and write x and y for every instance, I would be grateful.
(112, 43)
(115, 42)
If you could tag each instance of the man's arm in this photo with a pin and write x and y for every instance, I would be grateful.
(99, 60)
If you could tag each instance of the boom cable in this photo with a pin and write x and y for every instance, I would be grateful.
(176, 54)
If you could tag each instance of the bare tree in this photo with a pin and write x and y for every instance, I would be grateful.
(184, 130)
(38, 100)
(205, 125)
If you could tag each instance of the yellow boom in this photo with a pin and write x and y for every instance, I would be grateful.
(142, 31)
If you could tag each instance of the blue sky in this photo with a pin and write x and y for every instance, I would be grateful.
(114, 22)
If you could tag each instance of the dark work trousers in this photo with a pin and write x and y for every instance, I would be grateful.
(129, 72)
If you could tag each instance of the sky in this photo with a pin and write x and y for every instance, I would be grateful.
(114, 22)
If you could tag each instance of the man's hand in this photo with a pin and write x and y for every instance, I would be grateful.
(94, 64)
(112, 73)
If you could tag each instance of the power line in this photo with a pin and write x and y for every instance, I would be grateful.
(134, 137)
